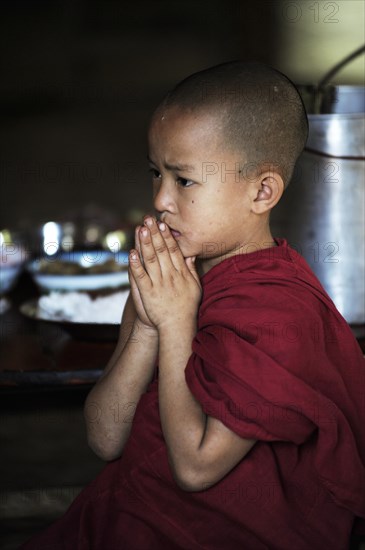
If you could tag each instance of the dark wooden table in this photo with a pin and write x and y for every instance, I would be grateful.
(33, 353)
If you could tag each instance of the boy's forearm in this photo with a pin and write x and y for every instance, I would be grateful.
(201, 449)
(128, 319)
(182, 418)
(110, 406)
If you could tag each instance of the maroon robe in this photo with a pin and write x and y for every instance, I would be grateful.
(274, 361)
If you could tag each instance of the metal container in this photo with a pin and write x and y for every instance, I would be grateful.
(322, 211)
(343, 100)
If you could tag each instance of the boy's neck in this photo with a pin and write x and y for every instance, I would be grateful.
(253, 245)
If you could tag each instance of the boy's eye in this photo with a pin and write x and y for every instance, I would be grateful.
(155, 173)
(184, 183)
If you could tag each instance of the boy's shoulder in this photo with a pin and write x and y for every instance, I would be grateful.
(273, 273)
(268, 291)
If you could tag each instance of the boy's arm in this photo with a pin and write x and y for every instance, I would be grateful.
(110, 406)
(202, 450)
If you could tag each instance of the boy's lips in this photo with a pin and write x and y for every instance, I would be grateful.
(173, 231)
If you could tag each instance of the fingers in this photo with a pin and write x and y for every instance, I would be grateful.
(173, 248)
(133, 284)
(137, 273)
(159, 249)
(153, 249)
(131, 278)
(137, 243)
(190, 263)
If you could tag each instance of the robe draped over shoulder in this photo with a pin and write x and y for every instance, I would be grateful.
(274, 361)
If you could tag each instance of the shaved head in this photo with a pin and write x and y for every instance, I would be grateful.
(258, 110)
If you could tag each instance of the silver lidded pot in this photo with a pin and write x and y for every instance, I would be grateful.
(322, 211)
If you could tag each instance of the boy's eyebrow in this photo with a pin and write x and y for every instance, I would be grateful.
(174, 167)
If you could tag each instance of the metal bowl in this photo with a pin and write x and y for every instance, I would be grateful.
(89, 273)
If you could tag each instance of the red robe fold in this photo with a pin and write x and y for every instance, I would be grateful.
(274, 361)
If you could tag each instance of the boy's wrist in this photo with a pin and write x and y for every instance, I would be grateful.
(141, 330)
(182, 327)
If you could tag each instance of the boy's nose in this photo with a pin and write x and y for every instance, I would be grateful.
(163, 197)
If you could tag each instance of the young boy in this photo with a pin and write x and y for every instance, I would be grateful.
(232, 410)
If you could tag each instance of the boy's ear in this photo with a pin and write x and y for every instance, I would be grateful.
(269, 189)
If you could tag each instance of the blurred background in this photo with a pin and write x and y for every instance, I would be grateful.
(79, 81)
(78, 84)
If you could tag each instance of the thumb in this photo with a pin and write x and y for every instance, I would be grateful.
(190, 263)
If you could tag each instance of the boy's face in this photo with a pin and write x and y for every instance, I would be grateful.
(197, 186)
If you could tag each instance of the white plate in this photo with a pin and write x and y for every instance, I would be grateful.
(92, 281)
(79, 331)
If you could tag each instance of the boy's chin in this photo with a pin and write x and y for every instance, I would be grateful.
(189, 250)
(188, 253)
(185, 250)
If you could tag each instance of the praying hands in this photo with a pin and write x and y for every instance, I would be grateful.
(165, 285)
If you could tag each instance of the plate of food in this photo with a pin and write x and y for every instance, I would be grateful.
(80, 271)
(80, 315)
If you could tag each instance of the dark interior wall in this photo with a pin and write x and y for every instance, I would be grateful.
(79, 81)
